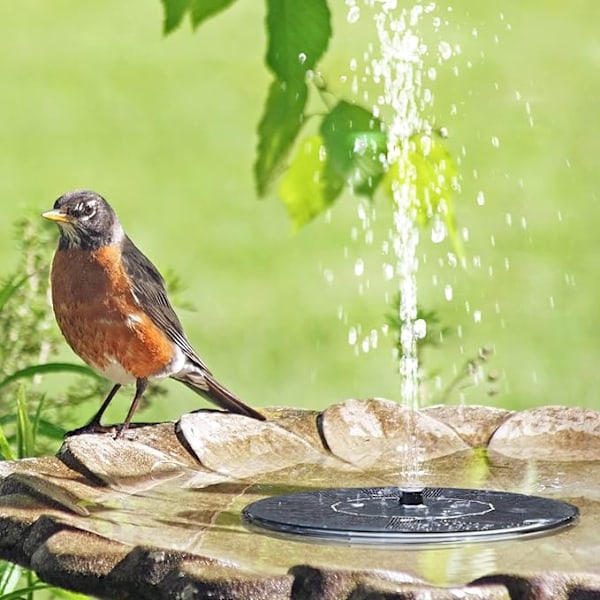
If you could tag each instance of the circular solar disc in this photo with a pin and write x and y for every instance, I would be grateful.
(380, 515)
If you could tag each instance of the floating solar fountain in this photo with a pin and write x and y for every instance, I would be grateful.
(391, 515)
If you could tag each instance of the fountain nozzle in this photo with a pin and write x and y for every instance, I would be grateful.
(411, 496)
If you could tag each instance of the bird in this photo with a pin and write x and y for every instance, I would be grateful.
(111, 305)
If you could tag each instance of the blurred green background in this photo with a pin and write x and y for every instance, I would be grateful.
(94, 96)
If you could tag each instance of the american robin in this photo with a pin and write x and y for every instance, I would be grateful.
(111, 305)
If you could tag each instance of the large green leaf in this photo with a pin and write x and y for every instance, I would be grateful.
(308, 187)
(356, 144)
(298, 34)
(429, 167)
(174, 11)
(203, 9)
(277, 130)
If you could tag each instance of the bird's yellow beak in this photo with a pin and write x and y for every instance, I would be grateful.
(56, 215)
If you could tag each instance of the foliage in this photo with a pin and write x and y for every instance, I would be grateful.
(28, 339)
(351, 147)
(16, 582)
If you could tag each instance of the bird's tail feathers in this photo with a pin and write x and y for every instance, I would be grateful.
(204, 384)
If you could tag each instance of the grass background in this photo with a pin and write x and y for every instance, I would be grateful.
(94, 96)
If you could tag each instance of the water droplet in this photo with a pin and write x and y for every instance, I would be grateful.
(359, 267)
(361, 212)
(432, 73)
(374, 338)
(365, 346)
(495, 142)
(480, 198)
(445, 50)
(328, 276)
(477, 316)
(353, 14)
(388, 271)
(301, 58)
(448, 292)
(352, 336)
(438, 231)
(420, 328)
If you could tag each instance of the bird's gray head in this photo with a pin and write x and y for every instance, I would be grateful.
(85, 220)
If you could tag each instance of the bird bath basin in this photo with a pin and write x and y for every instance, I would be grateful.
(159, 514)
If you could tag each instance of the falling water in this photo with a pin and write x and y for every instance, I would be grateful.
(396, 66)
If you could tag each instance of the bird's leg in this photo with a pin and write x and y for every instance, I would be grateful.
(94, 426)
(140, 388)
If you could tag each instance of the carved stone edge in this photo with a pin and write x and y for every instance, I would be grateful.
(535, 434)
(88, 563)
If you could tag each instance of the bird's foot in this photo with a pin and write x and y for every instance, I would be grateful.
(94, 427)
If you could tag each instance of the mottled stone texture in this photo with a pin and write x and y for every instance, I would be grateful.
(157, 515)
(553, 433)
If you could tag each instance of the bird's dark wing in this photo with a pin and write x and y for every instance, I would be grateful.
(150, 292)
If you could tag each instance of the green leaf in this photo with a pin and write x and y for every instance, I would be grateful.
(10, 287)
(6, 452)
(10, 574)
(26, 591)
(174, 12)
(203, 9)
(429, 167)
(25, 430)
(308, 188)
(50, 430)
(282, 119)
(298, 34)
(29, 372)
(356, 143)
(44, 427)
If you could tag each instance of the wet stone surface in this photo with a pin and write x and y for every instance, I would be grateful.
(157, 515)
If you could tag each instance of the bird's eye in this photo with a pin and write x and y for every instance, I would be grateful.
(87, 210)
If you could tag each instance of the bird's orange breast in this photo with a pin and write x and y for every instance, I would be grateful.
(99, 316)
